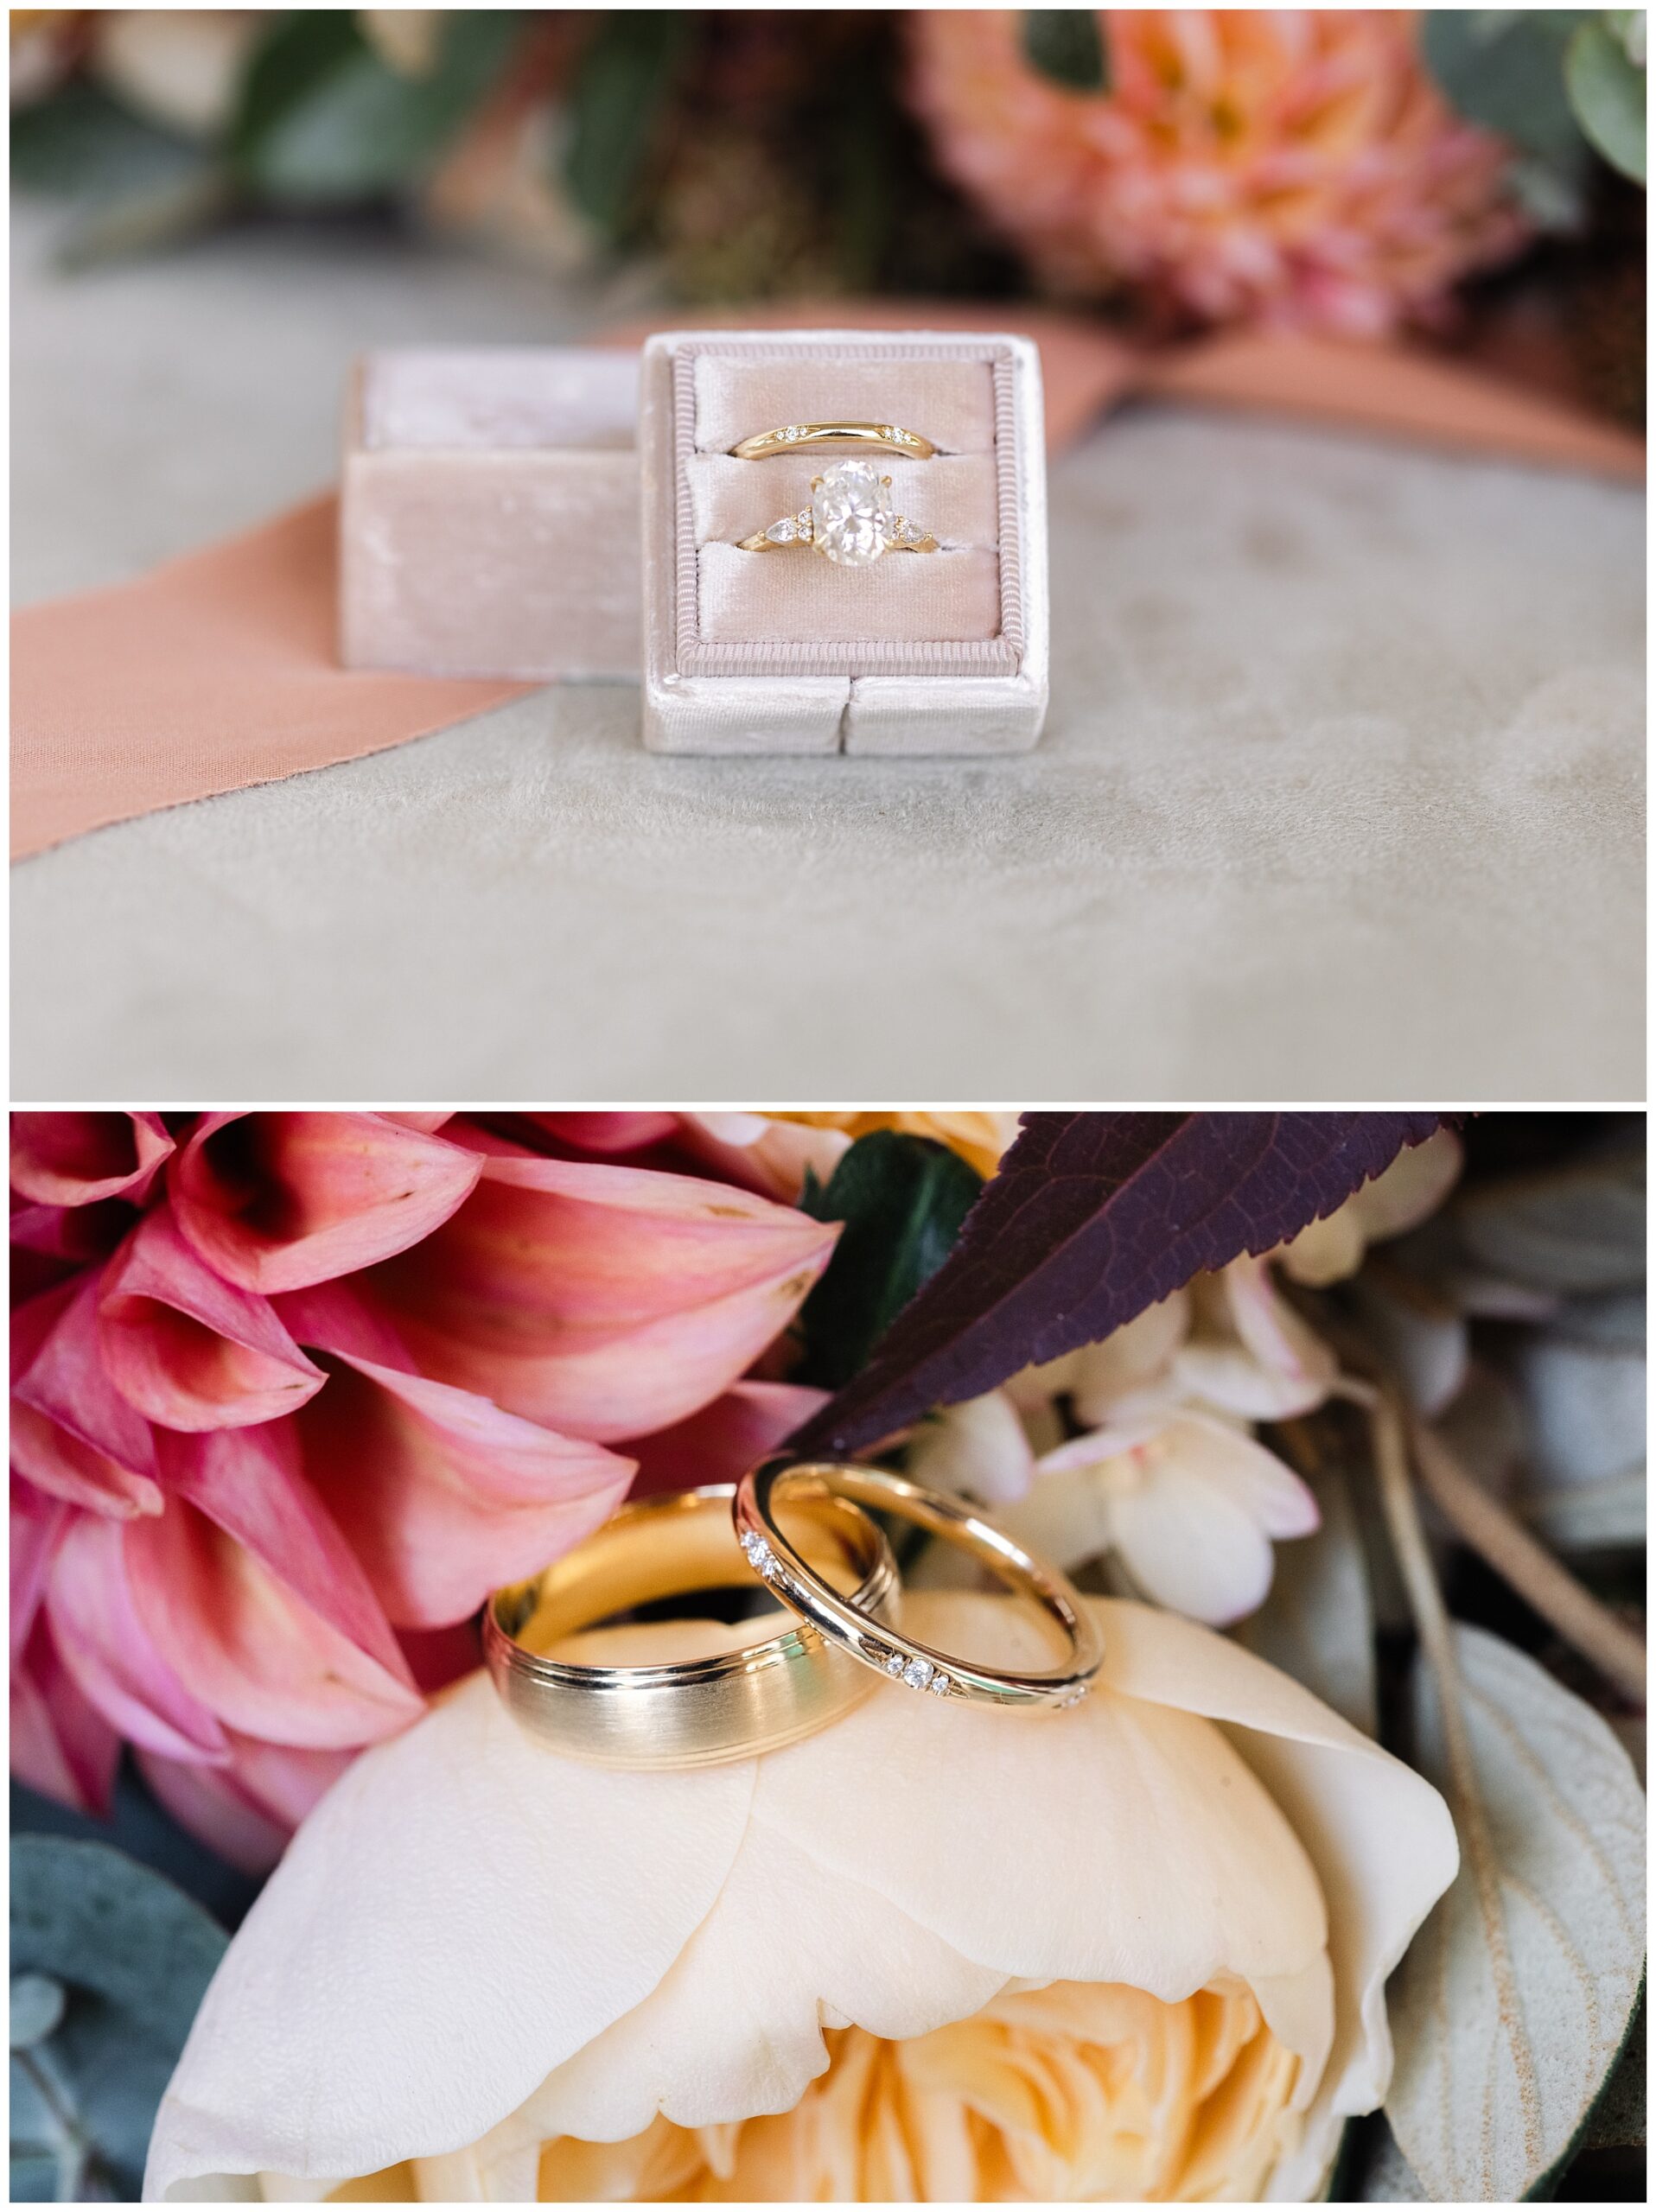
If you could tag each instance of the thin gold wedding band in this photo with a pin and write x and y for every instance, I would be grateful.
(689, 1712)
(874, 1643)
(817, 437)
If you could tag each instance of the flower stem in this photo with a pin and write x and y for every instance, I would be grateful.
(1482, 1521)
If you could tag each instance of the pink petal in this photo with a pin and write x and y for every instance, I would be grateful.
(72, 1159)
(335, 1316)
(265, 1661)
(249, 1481)
(608, 1388)
(103, 1645)
(60, 1464)
(437, 1656)
(603, 1302)
(743, 1425)
(37, 1522)
(57, 1370)
(247, 1808)
(72, 1233)
(60, 1745)
(189, 1349)
(275, 1201)
(425, 1118)
(441, 1496)
(606, 1132)
(582, 1244)
(211, 1804)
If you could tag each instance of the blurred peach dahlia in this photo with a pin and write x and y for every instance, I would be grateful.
(1295, 167)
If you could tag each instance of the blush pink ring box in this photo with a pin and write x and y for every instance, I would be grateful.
(785, 651)
(490, 526)
(488, 513)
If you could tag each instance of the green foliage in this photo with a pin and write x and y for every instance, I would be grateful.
(109, 1965)
(1606, 91)
(1552, 80)
(323, 120)
(903, 1200)
(82, 141)
(620, 90)
(1067, 45)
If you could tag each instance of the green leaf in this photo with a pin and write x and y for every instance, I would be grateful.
(1514, 2001)
(80, 143)
(903, 1200)
(133, 1957)
(1066, 44)
(1575, 1231)
(1608, 94)
(1503, 67)
(626, 75)
(323, 120)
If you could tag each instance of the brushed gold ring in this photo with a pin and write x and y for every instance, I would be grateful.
(691, 1713)
(808, 437)
(783, 1484)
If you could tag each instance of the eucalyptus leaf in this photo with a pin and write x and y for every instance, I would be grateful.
(1586, 1409)
(1503, 67)
(1317, 1624)
(1607, 91)
(37, 2003)
(1571, 1230)
(1515, 1998)
(134, 1956)
(1067, 45)
(903, 1200)
(324, 120)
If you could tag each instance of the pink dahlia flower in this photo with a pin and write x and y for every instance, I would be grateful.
(291, 1392)
(1290, 166)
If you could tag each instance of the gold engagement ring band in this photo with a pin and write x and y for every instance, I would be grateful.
(851, 520)
(785, 1684)
(819, 437)
(783, 1484)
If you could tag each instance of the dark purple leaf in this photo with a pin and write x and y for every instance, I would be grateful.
(1091, 1218)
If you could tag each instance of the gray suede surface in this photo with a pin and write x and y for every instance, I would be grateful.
(1340, 796)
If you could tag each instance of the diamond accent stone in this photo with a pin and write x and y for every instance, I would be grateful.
(760, 1557)
(895, 1662)
(940, 1685)
(850, 515)
(783, 532)
(802, 522)
(1075, 1698)
(917, 1673)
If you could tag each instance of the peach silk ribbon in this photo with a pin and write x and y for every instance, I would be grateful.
(218, 669)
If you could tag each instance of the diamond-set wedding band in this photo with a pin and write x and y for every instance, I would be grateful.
(816, 437)
(877, 1643)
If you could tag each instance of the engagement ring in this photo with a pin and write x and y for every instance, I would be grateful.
(851, 520)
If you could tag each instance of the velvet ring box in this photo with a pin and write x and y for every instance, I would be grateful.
(785, 651)
(488, 515)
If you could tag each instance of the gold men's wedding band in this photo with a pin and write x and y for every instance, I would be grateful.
(691, 1713)
(785, 1483)
(817, 437)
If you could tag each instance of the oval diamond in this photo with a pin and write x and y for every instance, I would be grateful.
(850, 514)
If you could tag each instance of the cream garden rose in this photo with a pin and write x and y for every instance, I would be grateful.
(1134, 1949)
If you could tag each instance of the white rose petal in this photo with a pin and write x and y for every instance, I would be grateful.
(474, 1944)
